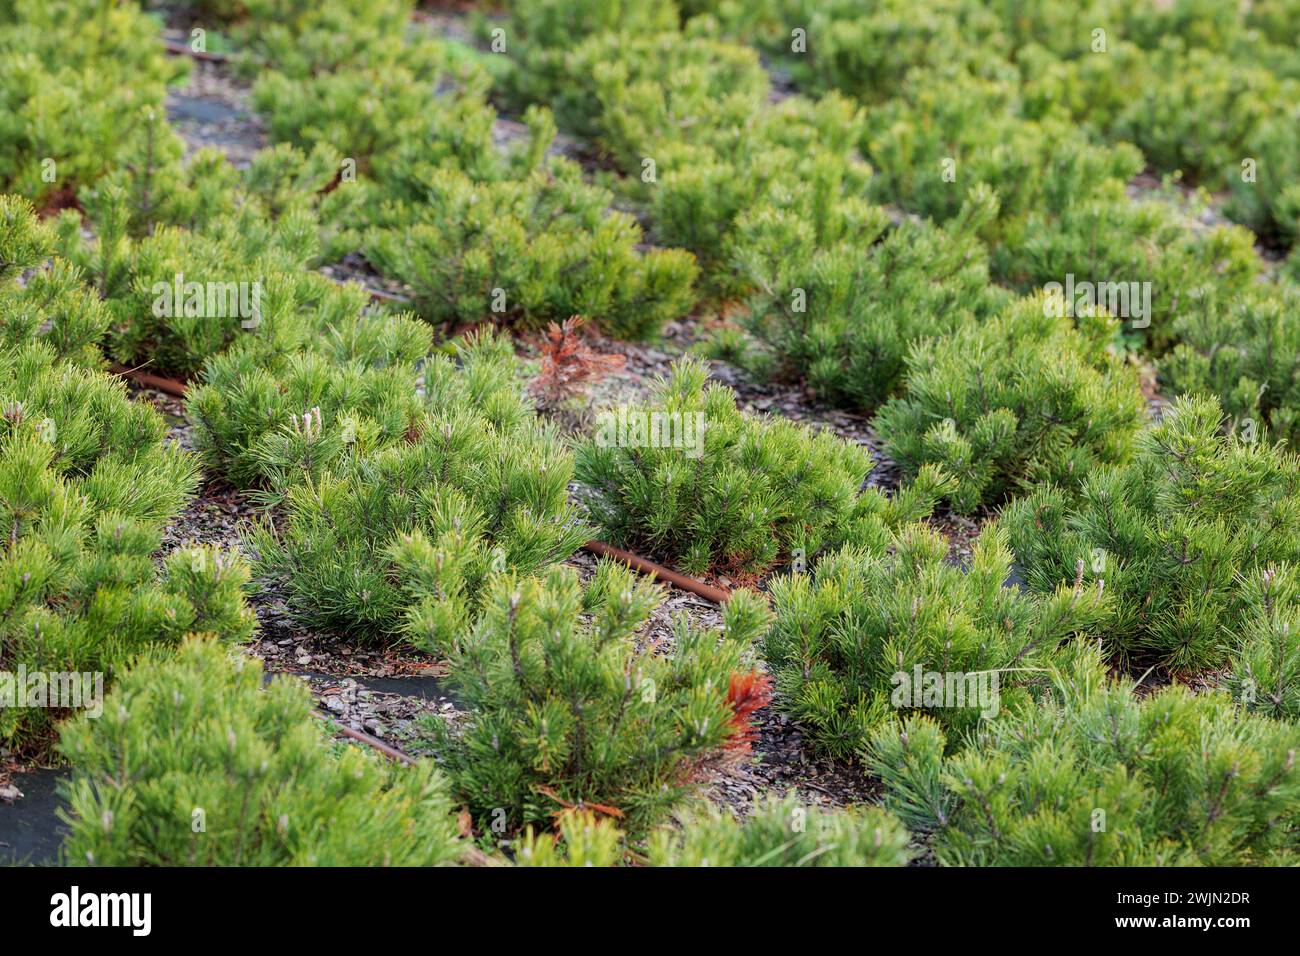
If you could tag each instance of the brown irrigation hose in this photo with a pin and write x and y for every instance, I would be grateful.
(388, 750)
(708, 591)
(169, 385)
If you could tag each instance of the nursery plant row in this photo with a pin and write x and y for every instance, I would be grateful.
(945, 242)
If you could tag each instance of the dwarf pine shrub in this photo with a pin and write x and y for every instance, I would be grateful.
(161, 187)
(570, 707)
(301, 38)
(93, 432)
(777, 832)
(476, 232)
(687, 119)
(178, 296)
(53, 305)
(528, 251)
(782, 177)
(274, 421)
(1245, 350)
(541, 34)
(1265, 185)
(1022, 399)
(199, 255)
(24, 241)
(842, 318)
(865, 51)
(478, 485)
(631, 91)
(950, 132)
(1197, 87)
(873, 633)
(691, 479)
(85, 487)
(1147, 272)
(167, 188)
(195, 764)
(1095, 776)
(936, 143)
(368, 108)
(1174, 533)
(74, 111)
(1193, 110)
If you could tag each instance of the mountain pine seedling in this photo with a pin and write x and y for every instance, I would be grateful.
(71, 111)
(1025, 398)
(528, 251)
(843, 319)
(53, 305)
(1095, 776)
(693, 480)
(478, 485)
(1175, 533)
(871, 634)
(571, 708)
(1244, 349)
(195, 764)
(275, 421)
